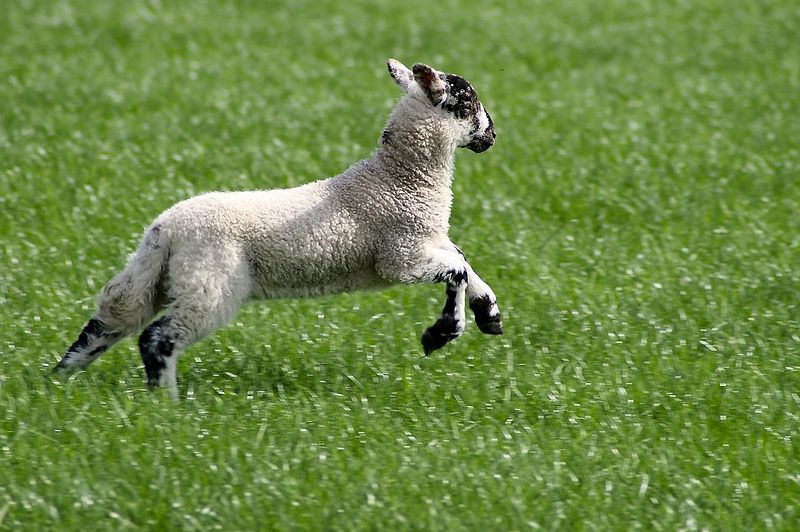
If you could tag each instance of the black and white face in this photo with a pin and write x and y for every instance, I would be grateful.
(472, 125)
(463, 103)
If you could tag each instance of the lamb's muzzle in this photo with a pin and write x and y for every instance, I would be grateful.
(485, 140)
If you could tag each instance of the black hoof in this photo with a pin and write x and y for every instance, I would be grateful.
(63, 367)
(437, 335)
(486, 323)
(491, 326)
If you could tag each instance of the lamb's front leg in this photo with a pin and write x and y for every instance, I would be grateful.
(483, 303)
(451, 324)
(437, 262)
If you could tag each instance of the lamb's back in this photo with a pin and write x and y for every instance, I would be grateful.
(300, 241)
(238, 215)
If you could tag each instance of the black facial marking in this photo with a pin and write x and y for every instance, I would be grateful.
(156, 345)
(461, 100)
(386, 136)
(476, 124)
(484, 141)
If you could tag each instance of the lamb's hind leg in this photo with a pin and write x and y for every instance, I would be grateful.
(162, 342)
(200, 305)
(95, 339)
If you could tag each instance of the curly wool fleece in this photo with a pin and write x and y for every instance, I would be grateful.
(382, 221)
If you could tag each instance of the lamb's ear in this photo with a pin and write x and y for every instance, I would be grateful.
(433, 85)
(400, 74)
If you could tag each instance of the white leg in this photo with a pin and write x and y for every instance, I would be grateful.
(162, 342)
(200, 305)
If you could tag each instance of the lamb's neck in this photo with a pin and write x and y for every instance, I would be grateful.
(417, 157)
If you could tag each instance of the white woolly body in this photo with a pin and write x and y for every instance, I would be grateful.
(382, 221)
(326, 236)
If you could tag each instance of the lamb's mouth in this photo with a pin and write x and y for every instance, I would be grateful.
(480, 144)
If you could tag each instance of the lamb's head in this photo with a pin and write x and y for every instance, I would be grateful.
(451, 99)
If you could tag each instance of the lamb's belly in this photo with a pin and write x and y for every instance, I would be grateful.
(313, 254)
(279, 287)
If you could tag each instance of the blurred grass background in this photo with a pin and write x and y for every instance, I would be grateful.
(637, 219)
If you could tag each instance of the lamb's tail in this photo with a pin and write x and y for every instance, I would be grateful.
(133, 296)
(127, 302)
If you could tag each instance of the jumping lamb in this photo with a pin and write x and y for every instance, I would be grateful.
(383, 221)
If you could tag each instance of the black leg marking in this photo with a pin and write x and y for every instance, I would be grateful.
(92, 331)
(437, 335)
(155, 345)
(450, 303)
(486, 323)
(451, 276)
(445, 329)
(98, 351)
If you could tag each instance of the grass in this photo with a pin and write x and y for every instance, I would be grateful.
(637, 219)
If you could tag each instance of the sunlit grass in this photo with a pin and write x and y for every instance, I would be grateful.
(637, 219)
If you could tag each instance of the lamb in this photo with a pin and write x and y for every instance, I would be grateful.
(383, 221)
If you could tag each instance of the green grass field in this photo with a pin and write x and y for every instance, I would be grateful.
(638, 219)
